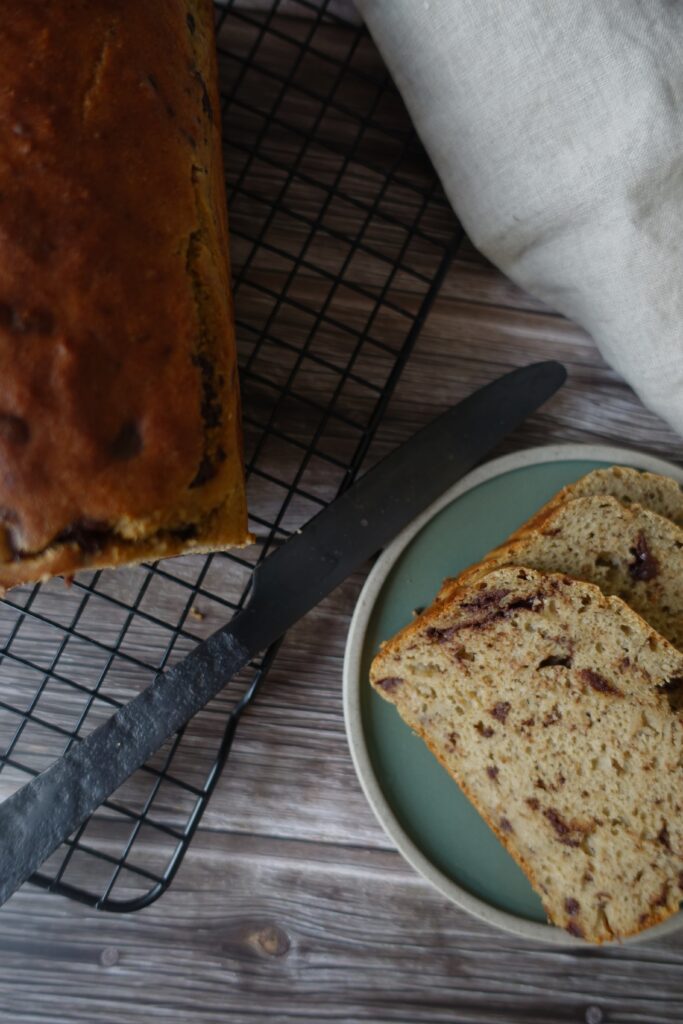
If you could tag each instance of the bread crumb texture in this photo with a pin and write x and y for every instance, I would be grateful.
(557, 709)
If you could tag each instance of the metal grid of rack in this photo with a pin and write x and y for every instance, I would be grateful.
(340, 237)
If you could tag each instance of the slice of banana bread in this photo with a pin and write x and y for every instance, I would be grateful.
(628, 551)
(659, 493)
(556, 709)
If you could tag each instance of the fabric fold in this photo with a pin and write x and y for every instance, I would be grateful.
(557, 132)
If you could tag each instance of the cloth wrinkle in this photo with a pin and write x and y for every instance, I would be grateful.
(557, 132)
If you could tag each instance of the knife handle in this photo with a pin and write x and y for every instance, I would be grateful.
(48, 809)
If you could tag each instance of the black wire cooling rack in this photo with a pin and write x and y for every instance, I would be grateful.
(340, 237)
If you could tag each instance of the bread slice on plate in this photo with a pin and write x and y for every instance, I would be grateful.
(659, 493)
(555, 708)
(628, 551)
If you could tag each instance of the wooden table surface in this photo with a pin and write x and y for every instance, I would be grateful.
(292, 904)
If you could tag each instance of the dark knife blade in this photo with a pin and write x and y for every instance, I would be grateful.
(41, 815)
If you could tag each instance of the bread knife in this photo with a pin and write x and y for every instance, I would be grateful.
(286, 585)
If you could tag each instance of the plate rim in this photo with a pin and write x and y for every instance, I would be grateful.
(352, 682)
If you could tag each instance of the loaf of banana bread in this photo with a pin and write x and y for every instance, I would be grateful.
(119, 409)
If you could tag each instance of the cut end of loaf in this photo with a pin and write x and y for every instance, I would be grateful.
(557, 710)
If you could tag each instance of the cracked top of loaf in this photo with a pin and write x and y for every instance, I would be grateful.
(119, 407)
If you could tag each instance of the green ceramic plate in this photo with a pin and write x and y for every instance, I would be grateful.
(420, 807)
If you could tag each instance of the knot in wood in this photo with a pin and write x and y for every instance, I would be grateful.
(270, 941)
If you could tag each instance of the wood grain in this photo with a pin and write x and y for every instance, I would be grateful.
(260, 928)
(291, 905)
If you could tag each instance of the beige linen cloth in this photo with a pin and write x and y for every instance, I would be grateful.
(556, 127)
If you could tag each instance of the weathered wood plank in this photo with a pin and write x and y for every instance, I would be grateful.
(292, 931)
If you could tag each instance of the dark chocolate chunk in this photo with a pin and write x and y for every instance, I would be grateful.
(13, 430)
(488, 606)
(22, 321)
(533, 603)
(440, 636)
(390, 683)
(211, 410)
(533, 802)
(185, 532)
(484, 730)
(208, 468)
(644, 565)
(505, 825)
(90, 535)
(599, 683)
(127, 443)
(575, 929)
(571, 906)
(492, 772)
(663, 836)
(206, 472)
(552, 717)
(500, 710)
(211, 406)
(486, 598)
(562, 829)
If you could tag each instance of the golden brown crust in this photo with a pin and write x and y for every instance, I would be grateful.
(119, 413)
(659, 494)
(624, 549)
